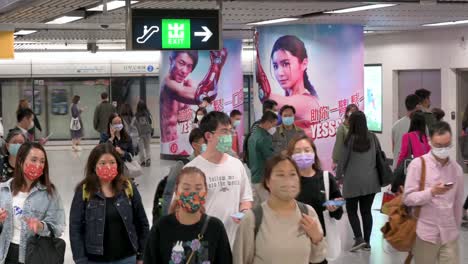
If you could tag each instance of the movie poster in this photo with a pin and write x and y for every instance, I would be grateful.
(186, 77)
(318, 69)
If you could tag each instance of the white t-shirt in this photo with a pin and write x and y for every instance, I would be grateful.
(228, 186)
(18, 205)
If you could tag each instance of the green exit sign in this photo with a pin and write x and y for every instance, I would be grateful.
(176, 33)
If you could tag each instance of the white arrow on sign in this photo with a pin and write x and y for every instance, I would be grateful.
(206, 34)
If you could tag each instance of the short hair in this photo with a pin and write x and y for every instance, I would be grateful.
(193, 54)
(285, 107)
(412, 101)
(195, 135)
(23, 113)
(439, 128)
(234, 113)
(438, 113)
(104, 96)
(207, 99)
(268, 116)
(211, 121)
(269, 105)
(76, 99)
(423, 93)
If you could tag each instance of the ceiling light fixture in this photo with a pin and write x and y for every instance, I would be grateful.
(358, 8)
(368, 31)
(110, 6)
(274, 21)
(64, 19)
(451, 23)
(24, 32)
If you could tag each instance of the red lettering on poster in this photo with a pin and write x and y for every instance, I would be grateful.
(355, 99)
(218, 105)
(342, 104)
(173, 148)
(184, 115)
(237, 98)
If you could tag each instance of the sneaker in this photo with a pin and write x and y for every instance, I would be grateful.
(366, 247)
(360, 243)
(143, 164)
(148, 163)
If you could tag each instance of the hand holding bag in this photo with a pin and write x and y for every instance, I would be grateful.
(383, 168)
(331, 225)
(45, 250)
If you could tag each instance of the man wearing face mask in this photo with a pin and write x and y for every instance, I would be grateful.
(229, 190)
(260, 149)
(441, 200)
(236, 117)
(287, 130)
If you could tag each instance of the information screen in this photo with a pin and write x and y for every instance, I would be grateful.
(373, 96)
(169, 29)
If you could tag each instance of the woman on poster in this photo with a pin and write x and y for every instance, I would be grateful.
(289, 61)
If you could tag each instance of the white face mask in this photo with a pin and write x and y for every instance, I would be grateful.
(441, 153)
(200, 117)
(272, 131)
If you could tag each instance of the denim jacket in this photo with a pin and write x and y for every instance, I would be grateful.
(40, 205)
(87, 220)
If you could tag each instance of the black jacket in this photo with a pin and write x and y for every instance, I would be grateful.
(87, 223)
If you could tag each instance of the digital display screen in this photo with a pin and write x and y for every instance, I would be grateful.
(373, 96)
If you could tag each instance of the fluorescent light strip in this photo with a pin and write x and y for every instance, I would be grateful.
(359, 8)
(64, 19)
(274, 21)
(24, 32)
(451, 23)
(368, 31)
(110, 6)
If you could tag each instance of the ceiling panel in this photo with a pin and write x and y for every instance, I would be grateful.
(236, 14)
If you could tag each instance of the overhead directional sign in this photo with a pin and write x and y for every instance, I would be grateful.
(169, 29)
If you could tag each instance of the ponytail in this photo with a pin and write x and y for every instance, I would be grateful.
(308, 85)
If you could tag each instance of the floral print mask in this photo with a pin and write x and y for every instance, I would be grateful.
(191, 202)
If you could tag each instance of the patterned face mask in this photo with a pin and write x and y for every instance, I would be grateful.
(33, 172)
(191, 202)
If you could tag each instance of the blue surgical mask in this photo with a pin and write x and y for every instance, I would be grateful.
(236, 123)
(203, 148)
(13, 149)
(288, 120)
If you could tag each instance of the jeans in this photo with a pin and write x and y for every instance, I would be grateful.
(465, 206)
(144, 144)
(365, 206)
(129, 260)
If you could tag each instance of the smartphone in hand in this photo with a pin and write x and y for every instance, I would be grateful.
(337, 203)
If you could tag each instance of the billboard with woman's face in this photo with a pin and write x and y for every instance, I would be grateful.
(318, 69)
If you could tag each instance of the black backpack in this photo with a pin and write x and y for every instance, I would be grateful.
(258, 213)
(158, 197)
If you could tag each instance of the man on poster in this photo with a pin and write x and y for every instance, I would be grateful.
(179, 92)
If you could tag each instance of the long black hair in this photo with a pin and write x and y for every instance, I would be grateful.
(297, 48)
(203, 110)
(418, 123)
(123, 133)
(359, 132)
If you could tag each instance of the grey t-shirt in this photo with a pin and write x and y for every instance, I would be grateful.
(400, 128)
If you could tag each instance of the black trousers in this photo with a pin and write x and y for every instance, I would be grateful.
(13, 254)
(465, 206)
(365, 206)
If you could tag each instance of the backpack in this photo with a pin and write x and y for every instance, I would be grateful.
(258, 213)
(144, 124)
(128, 191)
(400, 230)
(158, 200)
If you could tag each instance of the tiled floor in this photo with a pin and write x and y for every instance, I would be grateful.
(67, 170)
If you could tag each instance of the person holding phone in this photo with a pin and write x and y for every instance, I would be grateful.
(29, 204)
(187, 234)
(437, 232)
(313, 191)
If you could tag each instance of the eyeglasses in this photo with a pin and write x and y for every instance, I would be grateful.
(223, 132)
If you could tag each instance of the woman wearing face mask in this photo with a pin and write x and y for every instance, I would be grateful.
(313, 191)
(108, 223)
(201, 112)
(118, 137)
(76, 129)
(283, 220)
(341, 133)
(188, 235)
(29, 204)
(13, 141)
(358, 167)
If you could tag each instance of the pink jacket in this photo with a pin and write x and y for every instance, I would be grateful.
(418, 148)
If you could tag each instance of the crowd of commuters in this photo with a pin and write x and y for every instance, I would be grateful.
(228, 202)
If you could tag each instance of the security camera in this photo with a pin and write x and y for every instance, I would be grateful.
(104, 26)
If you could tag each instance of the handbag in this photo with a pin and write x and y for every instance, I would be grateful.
(75, 124)
(331, 225)
(386, 199)
(45, 250)
(400, 229)
(383, 168)
(133, 169)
